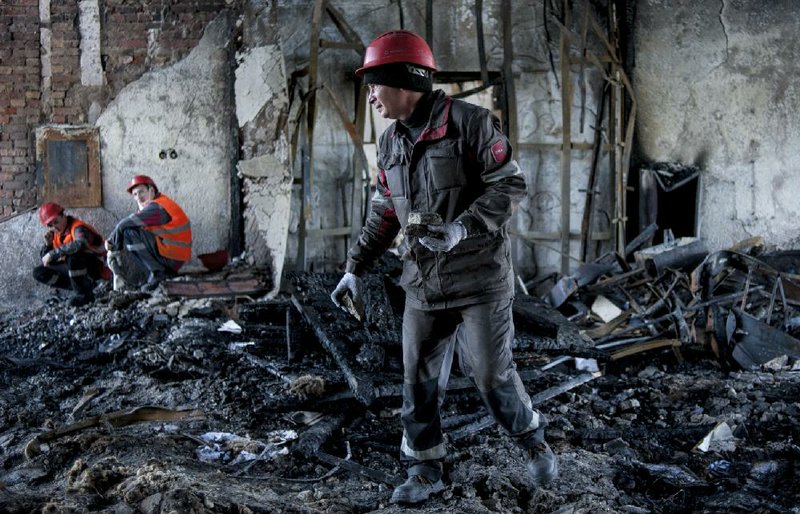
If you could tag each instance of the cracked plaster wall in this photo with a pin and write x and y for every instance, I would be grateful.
(455, 49)
(173, 107)
(176, 107)
(262, 105)
(717, 87)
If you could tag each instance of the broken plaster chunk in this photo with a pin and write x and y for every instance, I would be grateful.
(629, 405)
(356, 309)
(230, 326)
(418, 223)
(586, 364)
(605, 309)
(718, 440)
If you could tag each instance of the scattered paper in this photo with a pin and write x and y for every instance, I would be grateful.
(230, 326)
(719, 440)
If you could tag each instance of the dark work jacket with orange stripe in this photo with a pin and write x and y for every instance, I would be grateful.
(460, 167)
(78, 236)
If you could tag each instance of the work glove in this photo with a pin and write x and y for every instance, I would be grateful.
(443, 237)
(47, 258)
(349, 297)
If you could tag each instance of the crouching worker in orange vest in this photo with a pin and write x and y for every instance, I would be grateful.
(73, 255)
(158, 236)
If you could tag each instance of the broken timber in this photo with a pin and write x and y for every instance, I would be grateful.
(235, 285)
(536, 399)
(360, 383)
(114, 419)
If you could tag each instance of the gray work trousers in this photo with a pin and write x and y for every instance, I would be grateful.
(483, 334)
(141, 243)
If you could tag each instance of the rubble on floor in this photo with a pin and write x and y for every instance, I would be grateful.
(673, 392)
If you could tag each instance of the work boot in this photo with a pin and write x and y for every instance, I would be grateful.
(542, 465)
(416, 489)
(80, 299)
(82, 291)
(153, 281)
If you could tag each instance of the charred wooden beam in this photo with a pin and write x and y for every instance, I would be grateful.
(760, 343)
(354, 467)
(536, 399)
(361, 384)
(318, 434)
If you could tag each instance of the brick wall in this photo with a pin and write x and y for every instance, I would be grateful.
(135, 38)
(19, 102)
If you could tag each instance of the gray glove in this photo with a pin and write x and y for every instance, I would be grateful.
(447, 236)
(349, 297)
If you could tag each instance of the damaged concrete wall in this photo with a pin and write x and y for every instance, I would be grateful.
(262, 105)
(455, 49)
(717, 85)
(172, 125)
(21, 238)
(62, 63)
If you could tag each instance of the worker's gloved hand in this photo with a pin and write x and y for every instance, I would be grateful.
(348, 295)
(47, 259)
(446, 236)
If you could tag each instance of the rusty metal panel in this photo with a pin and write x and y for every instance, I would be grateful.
(68, 165)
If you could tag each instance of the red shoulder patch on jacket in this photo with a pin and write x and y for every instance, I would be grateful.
(499, 152)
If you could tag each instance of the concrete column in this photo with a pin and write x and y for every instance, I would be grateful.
(91, 66)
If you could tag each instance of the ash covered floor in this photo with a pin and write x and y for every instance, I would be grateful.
(142, 404)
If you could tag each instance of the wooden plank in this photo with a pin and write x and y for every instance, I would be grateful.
(566, 157)
(556, 236)
(559, 146)
(361, 175)
(345, 45)
(429, 22)
(329, 232)
(311, 108)
(481, 42)
(350, 35)
(508, 75)
(589, 202)
(339, 347)
(208, 288)
(360, 165)
(536, 400)
(305, 202)
(644, 347)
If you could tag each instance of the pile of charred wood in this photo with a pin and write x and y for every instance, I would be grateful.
(741, 303)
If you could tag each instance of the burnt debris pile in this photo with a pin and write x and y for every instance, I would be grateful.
(669, 376)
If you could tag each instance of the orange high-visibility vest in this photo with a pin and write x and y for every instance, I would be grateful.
(174, 240)
(93, 245)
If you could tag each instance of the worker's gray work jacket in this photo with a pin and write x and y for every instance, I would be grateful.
(460, 167)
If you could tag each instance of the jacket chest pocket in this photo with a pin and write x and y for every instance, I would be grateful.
(444, 165)
(395, 176)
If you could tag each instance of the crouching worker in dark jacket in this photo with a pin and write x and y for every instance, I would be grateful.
(73, 255)
(158, 236)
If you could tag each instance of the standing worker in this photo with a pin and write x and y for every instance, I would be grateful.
(158, 235)
(444, 158)
(72, 256)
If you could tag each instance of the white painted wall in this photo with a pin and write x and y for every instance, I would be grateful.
(717, 85)
(182, 107)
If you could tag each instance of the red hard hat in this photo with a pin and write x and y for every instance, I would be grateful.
(397, 46)
(141, 179)
(48, 212)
